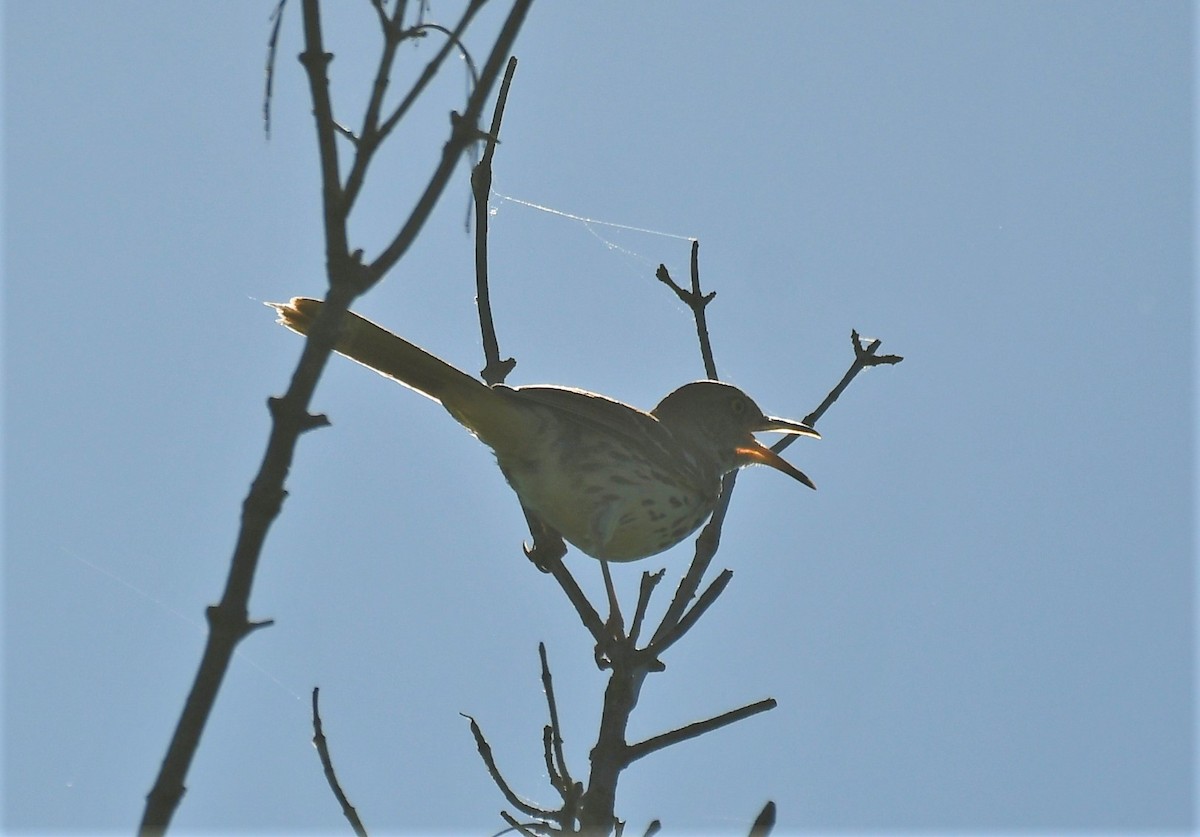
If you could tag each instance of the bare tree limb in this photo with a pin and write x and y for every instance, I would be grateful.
(524, 829)
(685, 623)
(697, 301)
(485, 753)
(453, 39)
(644, 748)
(495, 370)
(322, 746)
(463, 133)
(559, 766)
(764, 823)
(645, 590)
(864, 358)
(228, 620)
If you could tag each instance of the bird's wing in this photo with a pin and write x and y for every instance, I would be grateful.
(607, 415)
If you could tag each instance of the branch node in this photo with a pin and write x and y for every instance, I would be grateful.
(466, 132)
(692, 299)
(496, 372)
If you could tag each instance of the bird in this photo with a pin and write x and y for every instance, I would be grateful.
(619, 483)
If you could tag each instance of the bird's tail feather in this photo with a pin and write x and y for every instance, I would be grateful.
(377, 348)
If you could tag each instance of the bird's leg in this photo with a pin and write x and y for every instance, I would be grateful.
(612, 642)
(548, 545)
(616, 622)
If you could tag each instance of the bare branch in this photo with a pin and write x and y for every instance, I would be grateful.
(649, 582)
(495, 370)
(348, 810)
(524, 829)
(697, 301)
(460, 137)
(764, 822)
(864, 357)
(485, 753)
(644, 748)
(560, 766)
(706, 548)
(228, 621)
(272, 43)
(373, 134)
(453, 39)
(316, 62)
(674, 634)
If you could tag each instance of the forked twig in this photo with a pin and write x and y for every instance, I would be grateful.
(567, 784)
(348, 276)
(697, 301)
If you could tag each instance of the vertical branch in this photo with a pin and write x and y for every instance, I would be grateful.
(495, 370)
(316, 62)
(228, 621)
(597, 812)
(697, 301)
(706, 352)
(322, 745)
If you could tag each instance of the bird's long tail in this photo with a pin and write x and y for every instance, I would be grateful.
(470, 401)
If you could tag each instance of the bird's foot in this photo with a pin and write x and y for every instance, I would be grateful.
(548, 547)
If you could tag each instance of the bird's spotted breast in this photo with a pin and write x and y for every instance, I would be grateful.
(607, 497)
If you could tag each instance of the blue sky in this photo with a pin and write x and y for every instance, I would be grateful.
(983, 620)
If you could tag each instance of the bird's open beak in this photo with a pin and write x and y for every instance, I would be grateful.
(754, 452)
(786, 426)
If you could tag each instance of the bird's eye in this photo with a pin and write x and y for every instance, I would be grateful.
(737, 406)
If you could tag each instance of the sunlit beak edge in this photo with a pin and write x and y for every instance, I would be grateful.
(787, 426)
(755, 452)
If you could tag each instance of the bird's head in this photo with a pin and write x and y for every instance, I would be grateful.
(717, 421)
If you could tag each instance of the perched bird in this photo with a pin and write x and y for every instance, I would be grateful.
(618, 483)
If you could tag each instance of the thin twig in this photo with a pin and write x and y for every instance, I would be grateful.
(706, 548)
(555, 728)
(644, 748)
(348, 810)
(369, 138)
(453, 39)
(696, 301)
(374, 134)
(316, 62)
(587, 614)
(864, 357)
(228, 621)
(649, 582)
(764, 822)
(556, 780)
(495, 370)
(485, 752)
(419, 31)
(462, 135)
(272, 44)
(523, 828)
(703, 603)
